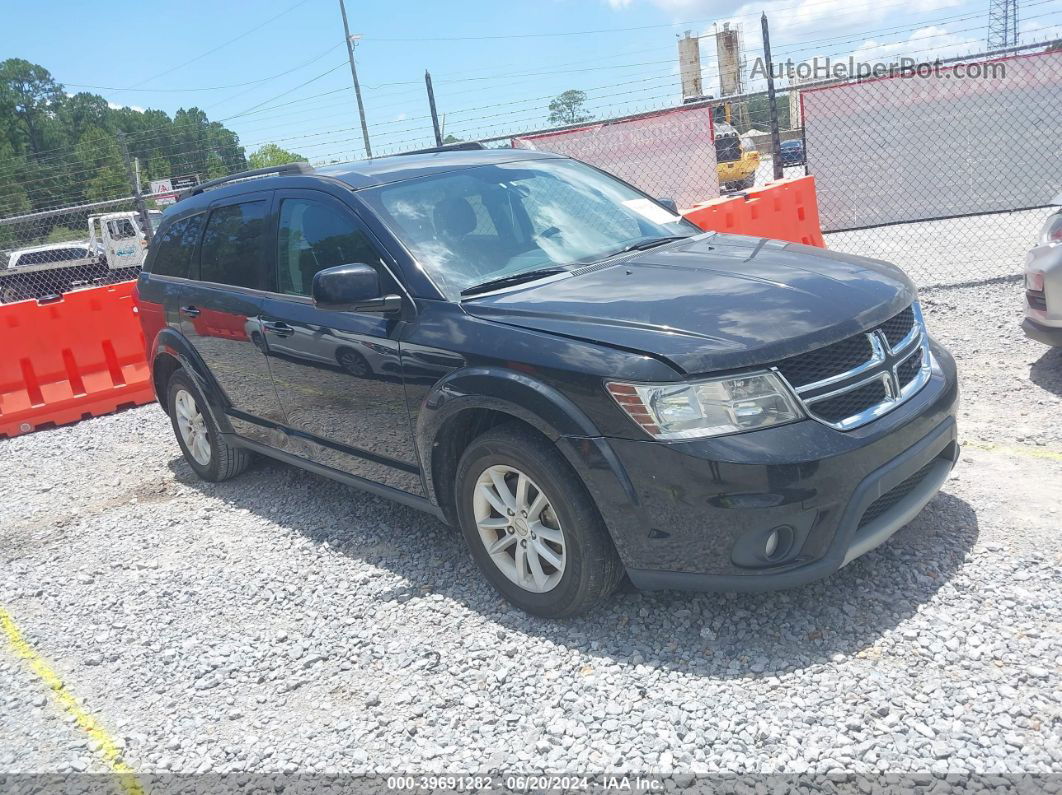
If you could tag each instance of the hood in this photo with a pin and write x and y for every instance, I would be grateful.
(712, 302)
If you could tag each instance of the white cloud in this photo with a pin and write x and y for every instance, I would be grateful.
(617, 4)
(1033, 30)
(924, 44)
(117, 106)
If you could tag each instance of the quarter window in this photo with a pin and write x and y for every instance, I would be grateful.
(232, 245)
(177, 246)
(314, 236)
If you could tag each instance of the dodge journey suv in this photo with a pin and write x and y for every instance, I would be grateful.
(586, 384)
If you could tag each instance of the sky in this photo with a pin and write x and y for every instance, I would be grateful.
(276, 71)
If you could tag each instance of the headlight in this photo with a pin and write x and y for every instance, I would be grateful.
(712, 407)
(1052, 231)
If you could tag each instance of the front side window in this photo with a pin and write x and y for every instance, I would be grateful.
(177, 247)
(314, 236)
(232, 245)
(487, 222)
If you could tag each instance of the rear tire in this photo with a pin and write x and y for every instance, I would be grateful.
(548, 552)
(206, 450)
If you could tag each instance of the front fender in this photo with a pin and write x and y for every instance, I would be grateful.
(500, 389)
(497, 389)
(171, 342)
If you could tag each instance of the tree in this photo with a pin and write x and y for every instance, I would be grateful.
(30, 95)
(272, 155)
(567, 108)
(60, 150)
(451, 139)
(102, 160)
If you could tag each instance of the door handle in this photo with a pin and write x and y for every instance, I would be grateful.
(278, 328)
(191, 311)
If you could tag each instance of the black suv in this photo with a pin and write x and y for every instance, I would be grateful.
(536, 352)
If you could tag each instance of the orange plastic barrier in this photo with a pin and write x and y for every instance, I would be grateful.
(784, 210)
(79, 356)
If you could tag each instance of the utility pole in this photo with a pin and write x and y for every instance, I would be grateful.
(354, 74)
(431, 105)
(776, 142)
(134, 180)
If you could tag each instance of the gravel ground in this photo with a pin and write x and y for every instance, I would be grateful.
(280, 622)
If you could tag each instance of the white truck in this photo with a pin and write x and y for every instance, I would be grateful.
(113, 252)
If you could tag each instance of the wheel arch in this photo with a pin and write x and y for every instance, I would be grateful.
(173, 351)
(470, 402)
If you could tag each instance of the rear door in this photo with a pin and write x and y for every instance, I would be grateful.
(337, 374)
(219, 310)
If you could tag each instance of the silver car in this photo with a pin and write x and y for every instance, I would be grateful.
(1043, 283)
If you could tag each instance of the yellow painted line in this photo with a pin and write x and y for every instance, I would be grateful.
(108, 749)
(1027, 452)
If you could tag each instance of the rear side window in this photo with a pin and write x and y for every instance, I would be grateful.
(232, 245)
(177, 247)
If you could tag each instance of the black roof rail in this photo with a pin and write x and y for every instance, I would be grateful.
(287, 168)
(460, 146)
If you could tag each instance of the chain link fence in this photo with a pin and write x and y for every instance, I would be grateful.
(948, 171)
(48, 253)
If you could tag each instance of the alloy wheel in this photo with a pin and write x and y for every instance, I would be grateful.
(519, 528)
(192, 426)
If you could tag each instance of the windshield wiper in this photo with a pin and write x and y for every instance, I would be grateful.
(516, 278)
(642, 245)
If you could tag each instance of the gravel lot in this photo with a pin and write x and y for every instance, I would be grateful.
(280, 622)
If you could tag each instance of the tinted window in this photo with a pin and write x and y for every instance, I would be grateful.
(315, 236)
(52, 255)
(176, 248)
(232, 245)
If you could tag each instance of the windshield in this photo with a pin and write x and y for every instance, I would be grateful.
(480, 224)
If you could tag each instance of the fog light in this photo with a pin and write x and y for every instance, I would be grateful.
(779, 543)
(772, 545)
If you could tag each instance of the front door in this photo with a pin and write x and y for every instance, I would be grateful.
(219, 312)
(337, 374)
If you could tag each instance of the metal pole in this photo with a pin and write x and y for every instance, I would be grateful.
(357, 87)
(776, 142)
(431, 104)
(138, 197)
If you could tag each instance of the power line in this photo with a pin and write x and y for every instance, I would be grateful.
(220, 46)
(207, 88)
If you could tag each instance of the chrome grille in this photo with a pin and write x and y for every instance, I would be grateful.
(852, 382)
(825, 362)
(898, 326)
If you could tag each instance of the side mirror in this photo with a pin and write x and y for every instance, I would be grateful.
(352, 288)
(669, 204)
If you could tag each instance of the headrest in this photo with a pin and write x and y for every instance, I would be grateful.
(454, 217)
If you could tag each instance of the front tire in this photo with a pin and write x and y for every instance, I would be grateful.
(531, 526)
(207, 452)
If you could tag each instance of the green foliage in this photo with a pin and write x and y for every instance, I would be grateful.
(567, 108)
(272, 155)
(58, 150)
(63, 234)
(101, 163)
(451, 139)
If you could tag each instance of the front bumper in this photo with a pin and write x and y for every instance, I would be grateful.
(1048, 335)
(684, 515)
